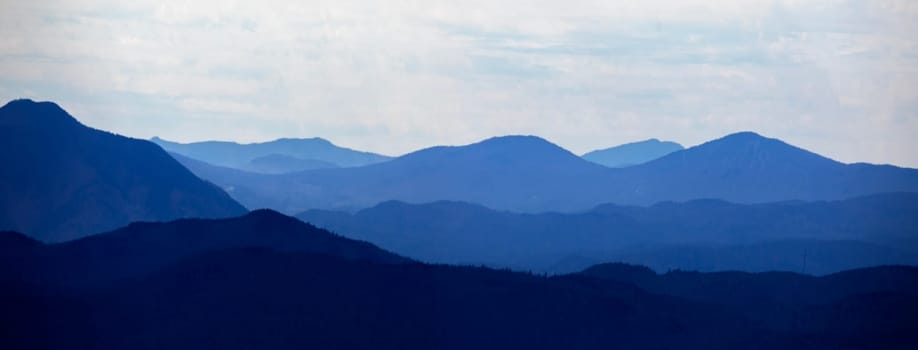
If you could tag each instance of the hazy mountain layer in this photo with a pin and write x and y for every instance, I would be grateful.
(632, 153)
(529, 174)
(708, 235)
(283, 155)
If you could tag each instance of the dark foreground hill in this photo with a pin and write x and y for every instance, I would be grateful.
(62, 180)
(816, 237)
(144, 247)
(840, 305)
(529, 174)
(296, 289)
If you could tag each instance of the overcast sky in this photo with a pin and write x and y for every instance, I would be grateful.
(836, 77)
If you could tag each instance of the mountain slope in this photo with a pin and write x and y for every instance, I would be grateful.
(702, 234)
(632, 153)
(62, 180)
(307, 154)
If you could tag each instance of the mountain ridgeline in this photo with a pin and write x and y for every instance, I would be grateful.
(708, 235)
(266, 280)
(273, 157)
(529, 174)
(632, 153)
(145, 247)
(62, 180)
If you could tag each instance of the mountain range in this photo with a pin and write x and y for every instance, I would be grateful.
(118, 246)
(266, 280)
(529, 174)
(273, 157)
(145, 247)
(706, 235)
(62, 180)
(632, 153)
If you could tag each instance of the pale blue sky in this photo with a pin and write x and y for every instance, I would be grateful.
(836, 77)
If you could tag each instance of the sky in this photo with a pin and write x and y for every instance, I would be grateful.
(839, 78)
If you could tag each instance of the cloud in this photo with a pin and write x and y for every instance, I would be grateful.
(837, 77)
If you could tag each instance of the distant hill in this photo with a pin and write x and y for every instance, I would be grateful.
(529, 174)
(749, 168)
(62, 180)
(632, 153)
(706, 235)
(278, 156)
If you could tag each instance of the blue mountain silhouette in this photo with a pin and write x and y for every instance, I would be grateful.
(705, 235)
(529, 174)
(749, 168)
(632, 153)
(62, 180)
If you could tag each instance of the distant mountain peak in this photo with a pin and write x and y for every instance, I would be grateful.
(632, 153)
(514, 138)
(745, 136)
(751, 145)
(517, 142)
(502, 149)
(742, 166)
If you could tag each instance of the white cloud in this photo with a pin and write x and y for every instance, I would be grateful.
(836, 76)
